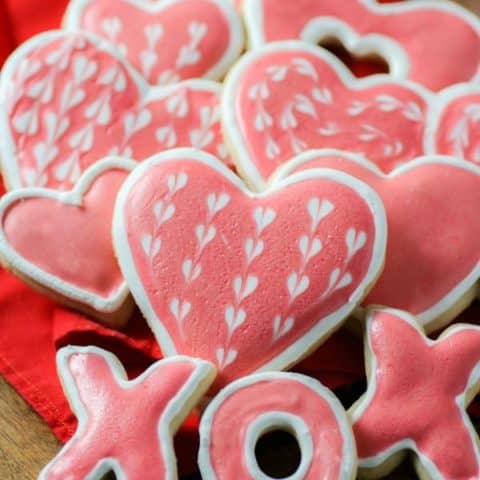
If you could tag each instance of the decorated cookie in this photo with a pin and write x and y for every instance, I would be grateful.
(247, 281)
(253, 406)
(454, 123)
(70, 100)
(167, 40)
(288, 97)
(444, 279)
(445, 49)
(125, 426)
(418, 390)
(61, 242)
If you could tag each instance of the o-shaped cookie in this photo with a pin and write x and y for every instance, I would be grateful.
(253, 406)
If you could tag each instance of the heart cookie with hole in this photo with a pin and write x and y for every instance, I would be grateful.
(443, 51)
(443, 281)
(70, 100)
(61, 244)
(166, 41)
(289, 97)
(247, 281)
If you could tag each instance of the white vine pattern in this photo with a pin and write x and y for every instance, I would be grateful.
(244, 284)
(310, 245)
(205, 233)
(309, 103)
(461, 134)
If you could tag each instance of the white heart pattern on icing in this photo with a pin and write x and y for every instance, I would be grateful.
(248, 282)
(71, 100)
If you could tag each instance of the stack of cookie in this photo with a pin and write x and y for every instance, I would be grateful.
(249, 220)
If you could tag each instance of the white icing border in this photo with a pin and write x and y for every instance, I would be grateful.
(283, 421)
(147, 93)
(360, 45)
(313, 31)
(276, 419)
(176, 411)
(229, 98)
(75, 198)
(364, 402)
(73, 15)
(428, 316)
(324, 325)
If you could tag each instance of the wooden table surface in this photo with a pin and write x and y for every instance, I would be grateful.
(26, 443)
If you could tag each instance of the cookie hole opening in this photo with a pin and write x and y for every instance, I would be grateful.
(371, 64)
(278, 454)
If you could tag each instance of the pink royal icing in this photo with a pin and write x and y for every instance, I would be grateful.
(416, 398)
(255, 405)
(454, 123)
(446, 261)
(70, 100)
(124, 426)
(288, 97)
(209, 279)
(166, 41)
(62, 240)
(445, 49)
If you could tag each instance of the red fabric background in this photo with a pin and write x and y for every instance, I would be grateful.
(33, 327)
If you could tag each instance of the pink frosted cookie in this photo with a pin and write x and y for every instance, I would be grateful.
(445, 49)
(125, 426)
(249, 282)
(418, 390)
(250, 407)
(167, 40)
(454, 123)
(288, 97)
(446, 268)
(70, 100)
(61, 243)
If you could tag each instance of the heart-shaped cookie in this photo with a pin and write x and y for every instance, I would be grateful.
(432, 261)
(166, 41)
(454, 123)
(70, 100)
(443, 51)
(249, 282)
(60, 242)
(288, 97)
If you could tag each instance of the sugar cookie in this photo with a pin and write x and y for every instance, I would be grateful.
(261, 403)
(61, 243)
(446, 269)
(126, 426)
(288, 97)
(249, 282)
(418, 390)
(168, 40)
(70, 100)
